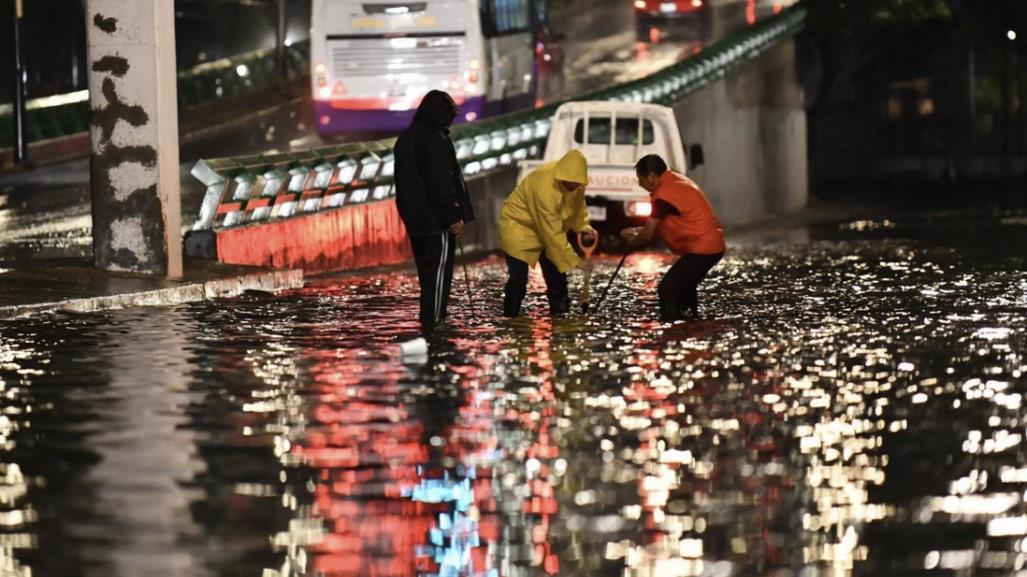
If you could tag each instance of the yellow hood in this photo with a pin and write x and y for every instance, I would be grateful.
(572, 168)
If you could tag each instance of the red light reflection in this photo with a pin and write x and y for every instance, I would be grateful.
(403, 490)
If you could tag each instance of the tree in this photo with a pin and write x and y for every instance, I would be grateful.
(852, 33)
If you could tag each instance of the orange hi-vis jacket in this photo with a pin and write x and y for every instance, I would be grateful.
(695, 229)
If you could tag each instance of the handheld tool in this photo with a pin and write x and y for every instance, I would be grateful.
(587, 249)
(467, 278)
(612, 278)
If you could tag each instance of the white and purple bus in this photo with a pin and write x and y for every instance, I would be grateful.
(372, 61)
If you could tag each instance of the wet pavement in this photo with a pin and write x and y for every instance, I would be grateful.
(851, 403)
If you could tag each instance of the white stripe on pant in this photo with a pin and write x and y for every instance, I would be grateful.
(440, 275)
(434, 272)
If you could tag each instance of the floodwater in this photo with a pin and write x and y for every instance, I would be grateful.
(851, 403)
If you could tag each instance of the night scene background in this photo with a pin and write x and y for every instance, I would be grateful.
(849, 401)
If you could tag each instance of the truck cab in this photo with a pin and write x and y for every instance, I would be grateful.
(613, 136)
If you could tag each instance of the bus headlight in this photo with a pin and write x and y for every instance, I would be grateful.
(472, 75)
(639, 208)
(324, 93)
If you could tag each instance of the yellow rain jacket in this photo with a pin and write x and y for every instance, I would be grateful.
(537, 215)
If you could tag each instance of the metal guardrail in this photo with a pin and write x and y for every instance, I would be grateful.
(65, 114)
(248, 190)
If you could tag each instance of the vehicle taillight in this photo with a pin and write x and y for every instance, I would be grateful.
(640, 4)
(639, 208)
(696, 3)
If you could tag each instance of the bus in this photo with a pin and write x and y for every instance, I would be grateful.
(372, 61)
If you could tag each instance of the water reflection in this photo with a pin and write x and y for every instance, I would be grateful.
(17, 515)
(851, 404)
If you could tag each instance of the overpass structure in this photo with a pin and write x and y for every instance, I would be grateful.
(332, 208)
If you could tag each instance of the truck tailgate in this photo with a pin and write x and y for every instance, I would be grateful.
(617, 183)
(611, 182)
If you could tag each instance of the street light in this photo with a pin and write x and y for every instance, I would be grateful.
(20, 138)
(1011, 35)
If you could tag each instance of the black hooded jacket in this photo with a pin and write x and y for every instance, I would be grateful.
(430, 189)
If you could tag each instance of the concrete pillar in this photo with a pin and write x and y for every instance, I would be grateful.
(134, 129)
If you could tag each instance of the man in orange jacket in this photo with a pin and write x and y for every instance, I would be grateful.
(684, 220)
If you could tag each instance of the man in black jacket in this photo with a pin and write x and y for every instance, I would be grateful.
(432, 200)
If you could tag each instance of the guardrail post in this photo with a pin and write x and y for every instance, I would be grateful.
(134, 130)
(21, 145)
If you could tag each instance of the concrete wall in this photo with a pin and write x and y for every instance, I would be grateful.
(752, 126)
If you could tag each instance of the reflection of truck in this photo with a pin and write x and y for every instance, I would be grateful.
(613, 136)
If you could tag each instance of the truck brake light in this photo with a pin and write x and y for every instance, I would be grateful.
(639, 208)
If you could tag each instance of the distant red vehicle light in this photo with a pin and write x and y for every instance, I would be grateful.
(653, 14)
(668, 7)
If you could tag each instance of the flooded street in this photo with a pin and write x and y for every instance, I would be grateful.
(851, 403)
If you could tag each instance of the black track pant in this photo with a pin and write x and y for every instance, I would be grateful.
(433, 255)
(517, 286)
(678, 288)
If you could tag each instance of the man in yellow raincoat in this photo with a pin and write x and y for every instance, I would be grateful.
(533, 227)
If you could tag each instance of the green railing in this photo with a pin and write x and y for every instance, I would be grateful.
(248, 190)
(65, 114)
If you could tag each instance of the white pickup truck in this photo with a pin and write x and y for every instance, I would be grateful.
(613, 136)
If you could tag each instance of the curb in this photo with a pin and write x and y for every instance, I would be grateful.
(272, 281)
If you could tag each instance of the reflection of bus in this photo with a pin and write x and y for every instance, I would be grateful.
(373, 60)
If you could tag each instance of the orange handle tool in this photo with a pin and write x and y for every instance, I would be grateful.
(588, 249)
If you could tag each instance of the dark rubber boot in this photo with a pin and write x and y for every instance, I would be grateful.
(670, 313)
(559, 306)
(511, 307)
